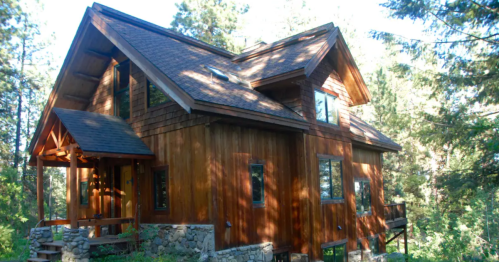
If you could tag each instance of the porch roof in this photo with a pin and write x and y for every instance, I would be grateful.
(102, 134)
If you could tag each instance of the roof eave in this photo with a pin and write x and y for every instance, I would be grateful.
(375, 145)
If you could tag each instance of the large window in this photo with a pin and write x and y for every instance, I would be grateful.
(161, 189)
(257, 184)
(330, 178)
(363, 196)
(326, 107)
(154, 96)
(84, 193)
(122, 89)
(335, 254)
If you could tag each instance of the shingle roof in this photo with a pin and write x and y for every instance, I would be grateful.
(363, 132)
(183, 64)
(101, 133)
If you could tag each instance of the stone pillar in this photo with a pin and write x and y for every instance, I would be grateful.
(76, 246)
(38, 236)
(297, 257)
(355, 256)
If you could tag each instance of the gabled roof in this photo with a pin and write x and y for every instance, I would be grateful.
(97, 133)
(367, 134)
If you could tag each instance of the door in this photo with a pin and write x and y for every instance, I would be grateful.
(126, 194)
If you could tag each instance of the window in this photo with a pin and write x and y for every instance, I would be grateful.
(330, 179)
(122, 90)
(281, 257)
(374, 245)
(161, 189)
(363, 196)
(154, 96)
(83, 193)
(326, 108)
(257, 184)
(335, 254)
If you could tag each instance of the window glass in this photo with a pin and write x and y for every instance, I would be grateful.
(122, 89)
(330, 179)
(326, 107)
(332, 111)
(155, 96)
(320, 106)
(325, 179)
(84, 193)
(257, 183)
(161, 190)
(363, 196)
(374, 245)
(335, 254)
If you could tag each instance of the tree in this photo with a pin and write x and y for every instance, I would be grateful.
(211, 21)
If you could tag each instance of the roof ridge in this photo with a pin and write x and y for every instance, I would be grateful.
(108, 11)
(279, 44)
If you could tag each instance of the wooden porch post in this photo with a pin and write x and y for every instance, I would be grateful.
(135, 195)
(39, 187)
(73, 205)
(96, 193)
(406, 249)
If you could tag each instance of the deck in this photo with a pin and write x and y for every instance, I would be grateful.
(395, 216)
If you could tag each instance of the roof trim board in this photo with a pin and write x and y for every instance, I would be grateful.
(314, 62)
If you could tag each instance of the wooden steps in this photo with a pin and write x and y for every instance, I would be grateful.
(50, 252)
(38, 259)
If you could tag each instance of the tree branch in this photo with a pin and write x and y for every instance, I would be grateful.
(495, 10)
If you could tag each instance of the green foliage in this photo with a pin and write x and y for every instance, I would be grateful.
(211, 21)
(6, 238)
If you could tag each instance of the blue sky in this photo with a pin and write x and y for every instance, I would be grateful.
(63, 17)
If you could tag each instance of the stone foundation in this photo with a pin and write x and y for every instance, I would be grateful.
(188, 241)
(355, 256)
(258, 253)
(76, 246)
(297, 257)
(37, 237)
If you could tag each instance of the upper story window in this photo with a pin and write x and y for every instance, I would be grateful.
(122, 89)
(154, 96)
(330, 179)
(326, 107)
(257, 184)
(335, 254)
(161, 189)
(363, 196)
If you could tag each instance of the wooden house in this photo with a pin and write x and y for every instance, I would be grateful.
(157, 128)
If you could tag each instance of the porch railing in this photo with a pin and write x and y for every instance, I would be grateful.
(395, 211)
(90, 221)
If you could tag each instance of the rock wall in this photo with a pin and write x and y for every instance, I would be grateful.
(76, 246)
(182, 240)
(258, 253)
(37, 237)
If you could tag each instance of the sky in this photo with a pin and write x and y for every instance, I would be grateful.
(62, 18)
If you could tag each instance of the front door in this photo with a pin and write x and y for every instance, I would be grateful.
(126, 194)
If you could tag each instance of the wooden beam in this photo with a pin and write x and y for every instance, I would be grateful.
(87, 77)
(55, 138)
(406, 246)
(97, 196)
(77, 99)
(396, 235)
(66, 164)
(62, 148)
(115, 155)
(98, 55)
(73, 204)
(104, 221)
(56, 222)
(135, 196)
(39, 188)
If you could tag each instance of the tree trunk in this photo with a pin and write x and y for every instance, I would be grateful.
(20, 98)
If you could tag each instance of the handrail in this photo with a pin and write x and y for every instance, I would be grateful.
(395, 211)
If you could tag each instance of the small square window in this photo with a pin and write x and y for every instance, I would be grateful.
(161, 190)
(155, 97)
(84, 193)
(330, 179)
(281, 257)
(363, 196)
(335, 254)
(326, 107)
(257, 184)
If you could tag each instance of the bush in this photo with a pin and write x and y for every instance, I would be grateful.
(6, 239)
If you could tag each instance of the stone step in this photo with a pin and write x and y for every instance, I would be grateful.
(49, 254)
(36, 259)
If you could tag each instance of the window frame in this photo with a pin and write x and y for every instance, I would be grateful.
(281, 253)
(345, 253)
(362, 181)
(257, 203)
(148, 99)
(326, 94)
(154, 170)
(84, 180)
(117, 93)
(336, 160)
(374, 238)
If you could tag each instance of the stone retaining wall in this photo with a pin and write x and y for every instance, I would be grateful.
(182, 240)
(258, 253)
(76, 246)
(37, 237)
